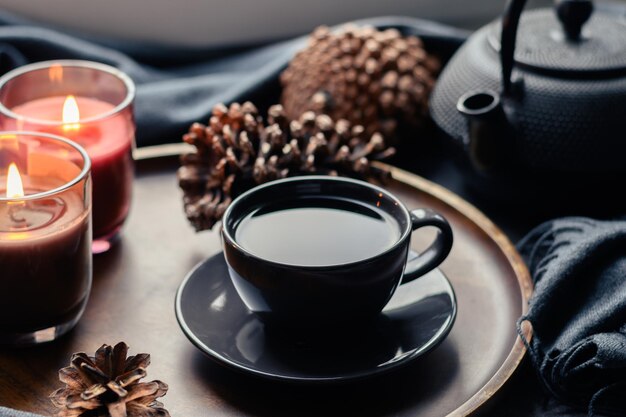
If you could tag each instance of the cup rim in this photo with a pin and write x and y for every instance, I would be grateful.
(233, 242)
(78, 63)
(84, 172)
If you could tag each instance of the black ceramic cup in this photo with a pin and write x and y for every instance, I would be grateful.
(304, 296)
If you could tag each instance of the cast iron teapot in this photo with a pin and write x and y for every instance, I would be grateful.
(551, 98)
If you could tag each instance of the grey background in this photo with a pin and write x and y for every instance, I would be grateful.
(227, 22)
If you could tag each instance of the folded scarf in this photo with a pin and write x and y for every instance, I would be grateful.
(578, 311)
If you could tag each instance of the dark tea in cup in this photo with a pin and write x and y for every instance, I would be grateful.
(318, 231)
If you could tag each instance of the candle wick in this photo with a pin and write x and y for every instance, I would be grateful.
(27, 216)
(14, 213)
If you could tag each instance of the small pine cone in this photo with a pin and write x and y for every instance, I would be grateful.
(237, 151)
(372, 78)
(107, 385)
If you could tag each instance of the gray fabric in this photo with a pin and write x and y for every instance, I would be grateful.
(177, 88)
(7, 412)
(578, 311)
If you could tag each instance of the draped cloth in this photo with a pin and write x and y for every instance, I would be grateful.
(176, 87)
(578, 311)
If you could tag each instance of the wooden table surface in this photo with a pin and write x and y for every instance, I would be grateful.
(132, 300)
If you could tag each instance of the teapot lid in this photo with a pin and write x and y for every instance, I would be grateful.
(564, 46)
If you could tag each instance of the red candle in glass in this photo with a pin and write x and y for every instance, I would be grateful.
(90, 104)
(45, 236)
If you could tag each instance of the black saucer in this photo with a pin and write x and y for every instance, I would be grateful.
(211, 314)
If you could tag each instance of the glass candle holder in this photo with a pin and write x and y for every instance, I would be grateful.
(92, 105)
(45, 236)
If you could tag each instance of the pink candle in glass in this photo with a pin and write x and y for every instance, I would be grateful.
(90, 104)
(45, 236)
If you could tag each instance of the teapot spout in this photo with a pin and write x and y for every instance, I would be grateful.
(489, 134)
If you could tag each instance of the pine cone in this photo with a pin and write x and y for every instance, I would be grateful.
(236, 151)
(107, 385)
(373, 78)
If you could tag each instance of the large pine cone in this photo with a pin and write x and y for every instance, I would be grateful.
(107, 385)
(237, 151)
(369, 77)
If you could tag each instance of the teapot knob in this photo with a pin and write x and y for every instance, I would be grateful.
(573, 14)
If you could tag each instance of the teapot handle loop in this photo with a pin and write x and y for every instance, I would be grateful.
(510, 22)
(571, 13)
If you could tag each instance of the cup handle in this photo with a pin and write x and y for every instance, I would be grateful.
(436, 252)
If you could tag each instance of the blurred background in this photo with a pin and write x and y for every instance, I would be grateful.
(205, 23)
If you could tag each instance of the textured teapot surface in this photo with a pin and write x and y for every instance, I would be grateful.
(567, 104)
(542, 45)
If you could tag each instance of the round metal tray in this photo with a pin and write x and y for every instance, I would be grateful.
(133, 300)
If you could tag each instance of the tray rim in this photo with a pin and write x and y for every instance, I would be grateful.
(518, 352)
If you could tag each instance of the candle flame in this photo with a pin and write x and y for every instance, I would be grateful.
(71, 114)
(15, 189)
